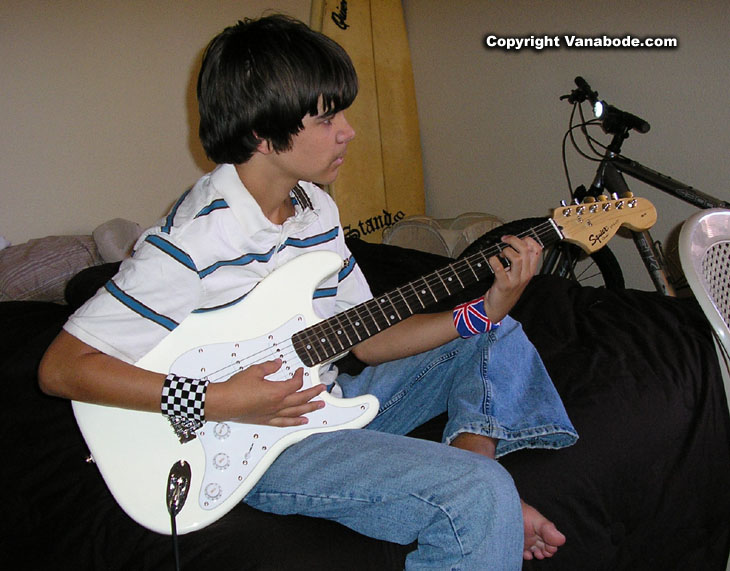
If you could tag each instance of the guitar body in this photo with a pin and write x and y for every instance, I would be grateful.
(135, 450)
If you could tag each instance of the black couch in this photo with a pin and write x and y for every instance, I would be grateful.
(646, 487)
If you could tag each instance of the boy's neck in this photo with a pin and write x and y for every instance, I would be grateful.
(272, 193)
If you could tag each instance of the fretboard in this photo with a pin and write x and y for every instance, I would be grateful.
(336, 335)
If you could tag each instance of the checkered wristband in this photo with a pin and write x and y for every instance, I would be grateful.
(183, 402)
(471, 319)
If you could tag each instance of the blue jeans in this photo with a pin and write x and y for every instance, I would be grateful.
(462, 508)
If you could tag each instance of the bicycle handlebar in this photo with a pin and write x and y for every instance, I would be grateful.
(613, 119)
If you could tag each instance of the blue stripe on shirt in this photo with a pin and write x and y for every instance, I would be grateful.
(324, 292)
(347, 270)
(138, 307)
(312, 240)
(241, 261)
(171, 216)
(172, 251)
(215, 205)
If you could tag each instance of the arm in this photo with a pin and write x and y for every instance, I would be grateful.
(75, 370)
(423, 332)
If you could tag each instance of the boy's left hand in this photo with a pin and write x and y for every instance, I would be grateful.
(523, 255)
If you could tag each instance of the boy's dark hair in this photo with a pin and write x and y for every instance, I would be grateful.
(260, 78)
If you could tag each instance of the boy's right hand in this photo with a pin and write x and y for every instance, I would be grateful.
(250, 398)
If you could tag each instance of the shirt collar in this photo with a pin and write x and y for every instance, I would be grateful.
(226, 181)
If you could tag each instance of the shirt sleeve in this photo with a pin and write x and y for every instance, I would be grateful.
(151, 294)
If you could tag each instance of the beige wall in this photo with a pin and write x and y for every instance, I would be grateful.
(98, 118)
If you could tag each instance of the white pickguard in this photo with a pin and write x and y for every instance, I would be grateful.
(134, 450)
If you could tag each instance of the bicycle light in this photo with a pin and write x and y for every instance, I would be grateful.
(598, 108)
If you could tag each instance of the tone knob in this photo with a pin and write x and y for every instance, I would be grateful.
(213, 491)
(221, 461)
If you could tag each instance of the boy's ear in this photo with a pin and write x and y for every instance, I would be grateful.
(264, 147)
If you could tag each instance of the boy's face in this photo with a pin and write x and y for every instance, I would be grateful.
(318, 150)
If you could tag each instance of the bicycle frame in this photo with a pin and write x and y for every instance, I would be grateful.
(667, 184)
(610, 177)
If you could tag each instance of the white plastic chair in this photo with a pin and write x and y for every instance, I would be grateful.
(704, 252)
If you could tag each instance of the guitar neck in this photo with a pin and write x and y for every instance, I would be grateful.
(334, 336)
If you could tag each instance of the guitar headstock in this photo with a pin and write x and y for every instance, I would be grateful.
(591, 225)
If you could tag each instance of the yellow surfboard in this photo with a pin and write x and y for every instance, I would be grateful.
(381, 180)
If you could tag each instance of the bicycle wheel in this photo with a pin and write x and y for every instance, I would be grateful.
(600, 269)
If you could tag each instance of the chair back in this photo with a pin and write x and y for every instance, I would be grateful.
(704, 252)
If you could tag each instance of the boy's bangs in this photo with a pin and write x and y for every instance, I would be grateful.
(335, 87)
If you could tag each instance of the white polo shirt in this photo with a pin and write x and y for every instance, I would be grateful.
(212, 249)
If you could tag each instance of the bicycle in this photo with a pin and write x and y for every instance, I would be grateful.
(601, 267)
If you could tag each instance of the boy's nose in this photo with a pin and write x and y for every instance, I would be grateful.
(345, 133)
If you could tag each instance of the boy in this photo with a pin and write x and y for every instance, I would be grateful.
(271, 97)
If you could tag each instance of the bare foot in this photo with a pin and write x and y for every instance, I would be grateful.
(542, 538)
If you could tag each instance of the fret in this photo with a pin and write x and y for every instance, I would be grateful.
(345, 326)
(378, 304)
(324, 344)
(423, 305)
(367, 305)
(426, 290)
(480, 265)
(436, 286)
(438, 275)
(337, 331)
(381, 303)
(310, 346)
(452, 269)
(411, 311)
(360, 323)
(473, 271)
(485, 260)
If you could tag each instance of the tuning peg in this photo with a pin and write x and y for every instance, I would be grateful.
(627, 194)
(589, 199)
(602, 198)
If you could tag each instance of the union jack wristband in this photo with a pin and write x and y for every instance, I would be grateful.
(471, 319)
(183, 402)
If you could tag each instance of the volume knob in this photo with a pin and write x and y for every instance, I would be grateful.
(222, 430)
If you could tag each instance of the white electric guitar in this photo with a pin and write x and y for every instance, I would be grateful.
(135, 450)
